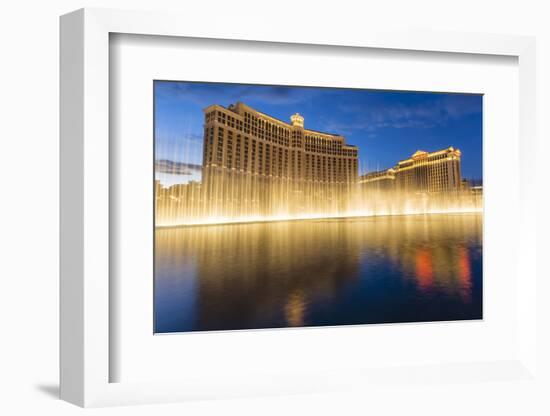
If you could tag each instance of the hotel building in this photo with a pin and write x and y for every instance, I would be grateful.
(266, 165)
(423, 172)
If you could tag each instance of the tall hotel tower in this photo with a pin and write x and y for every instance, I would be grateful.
(434, 172)
(255, 164)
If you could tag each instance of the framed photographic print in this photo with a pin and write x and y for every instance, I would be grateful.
(287, 213)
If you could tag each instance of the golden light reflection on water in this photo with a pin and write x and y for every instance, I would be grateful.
(295, 309)
(319, 272)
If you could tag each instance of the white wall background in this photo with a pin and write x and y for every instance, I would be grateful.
(29, 205)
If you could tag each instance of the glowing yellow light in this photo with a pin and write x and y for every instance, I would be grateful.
(257, 218)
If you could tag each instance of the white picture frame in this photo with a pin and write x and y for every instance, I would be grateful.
(85, 211)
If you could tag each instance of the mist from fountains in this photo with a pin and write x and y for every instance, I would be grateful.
(232, 198)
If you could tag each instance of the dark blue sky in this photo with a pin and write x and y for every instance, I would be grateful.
(387, 126)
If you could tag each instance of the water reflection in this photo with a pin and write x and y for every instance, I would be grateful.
(318, 272)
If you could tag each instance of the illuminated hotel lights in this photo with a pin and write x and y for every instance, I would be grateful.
(257, 168)
(423, 172)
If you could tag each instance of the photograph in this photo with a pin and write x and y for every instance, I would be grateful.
(274, 209)
(280, 206)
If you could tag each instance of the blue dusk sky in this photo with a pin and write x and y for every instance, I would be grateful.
(387, 126)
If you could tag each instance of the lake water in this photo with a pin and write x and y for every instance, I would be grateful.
(319, 272)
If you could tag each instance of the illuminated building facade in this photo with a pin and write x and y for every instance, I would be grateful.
(265, 165)
(423, 172)
(383, 180)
